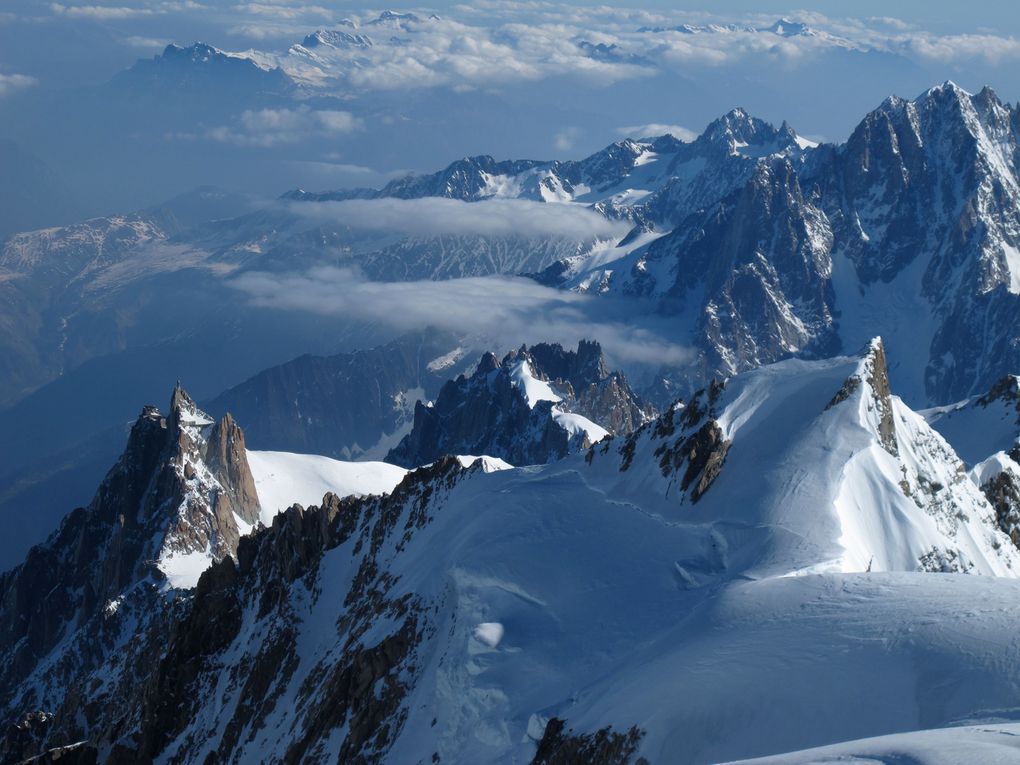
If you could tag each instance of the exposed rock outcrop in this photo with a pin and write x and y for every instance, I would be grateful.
(562, 746)
(1003, 492)
(181, 488)
(536, 405)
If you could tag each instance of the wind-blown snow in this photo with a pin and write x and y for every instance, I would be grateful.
(993, 744)
(283, 479)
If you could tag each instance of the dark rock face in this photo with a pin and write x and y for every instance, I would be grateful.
(180, 487)
(1006, 389)
(688, 442)
(754, 269)
(849, 388)
(207, 478)
(1003, 492)
(919, 179)
(561, 746)
(700, 449)
(339, 406)
(704, 451)
(200, 68)
(489, 413)
(878, 379)
(358, 686)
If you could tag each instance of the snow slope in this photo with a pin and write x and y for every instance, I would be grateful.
(993, 744)
(809, 435)
(745, 597)
(284, 478)
(536, 390)
(488, 464)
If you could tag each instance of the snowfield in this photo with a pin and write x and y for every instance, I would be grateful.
(283, 479)
(992, 744)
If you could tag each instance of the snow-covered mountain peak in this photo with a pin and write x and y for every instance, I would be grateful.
(205, 488)
(536, 405)
(336, 38)
(198, 52)
(741, 134)
(735, 124)
(203, 54)
(808, 467)
(984, 115)
(397, 19)
(946, 90)
(202, 67)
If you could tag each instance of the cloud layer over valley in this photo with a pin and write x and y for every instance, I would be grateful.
(497, 309)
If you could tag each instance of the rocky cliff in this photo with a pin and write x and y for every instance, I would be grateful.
(536, 405)
(180, 496)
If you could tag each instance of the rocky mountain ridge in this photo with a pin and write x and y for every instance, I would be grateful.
(535, 406)
(821, 246)
(180, 496)
(819, 243)
(457, 616)
(746, 246)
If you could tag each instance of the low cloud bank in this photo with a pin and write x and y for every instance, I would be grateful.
(438, 216)
(502, 310)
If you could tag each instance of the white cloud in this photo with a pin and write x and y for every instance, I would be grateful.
(445, 52)
(145, 43)
(565, 138)
(653, 129)
(285, 11)
(993, 49)
(504, 310)
(9, 83)
(101, 12)
(490, 44)
(438, 216)
(271, 127)
(115, 12)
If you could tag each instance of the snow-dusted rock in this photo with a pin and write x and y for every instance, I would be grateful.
(536, 405)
